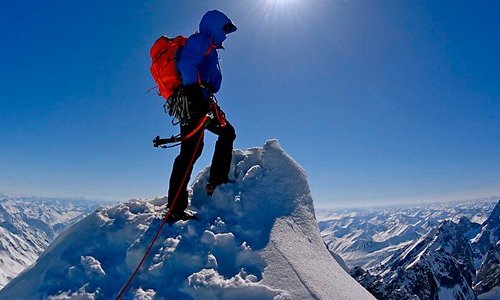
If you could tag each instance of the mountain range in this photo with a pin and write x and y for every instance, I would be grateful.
(29, 224)
(441, 251)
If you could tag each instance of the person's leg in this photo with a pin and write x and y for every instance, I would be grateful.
(183, 166)
(221, 161)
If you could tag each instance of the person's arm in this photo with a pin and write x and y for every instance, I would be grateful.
(191, 58)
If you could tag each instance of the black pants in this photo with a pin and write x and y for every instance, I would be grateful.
(183, 164)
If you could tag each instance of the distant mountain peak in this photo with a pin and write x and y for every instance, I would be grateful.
(494, 218)
(437, 266)
(488, 236)
(28, 225)
(439, 262)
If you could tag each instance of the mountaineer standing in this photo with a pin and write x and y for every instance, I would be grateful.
(192, 101)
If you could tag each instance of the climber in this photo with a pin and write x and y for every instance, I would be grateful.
(199, 68)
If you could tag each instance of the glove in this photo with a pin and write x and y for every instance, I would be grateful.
(156, 141)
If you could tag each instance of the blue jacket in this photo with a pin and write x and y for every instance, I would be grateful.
(199, 62)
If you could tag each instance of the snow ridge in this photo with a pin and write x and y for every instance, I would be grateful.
(256, 237)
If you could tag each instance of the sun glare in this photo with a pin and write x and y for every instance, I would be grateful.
(283, 3)
(264, 16)
(274, 8)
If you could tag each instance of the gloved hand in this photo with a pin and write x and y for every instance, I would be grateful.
(156, 141)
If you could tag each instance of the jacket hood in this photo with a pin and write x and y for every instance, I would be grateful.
(213, 23)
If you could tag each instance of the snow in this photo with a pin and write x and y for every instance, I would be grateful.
(255, 238)
(369, 237)
(92, 266)
(452, 293)
(493, 294)
(28, 225)
(401, 246)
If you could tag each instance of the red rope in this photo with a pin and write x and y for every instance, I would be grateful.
(200, 125)
(125, 287)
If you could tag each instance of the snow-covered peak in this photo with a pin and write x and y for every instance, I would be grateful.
(437, 266)
(493, 221)
(256, 237)
(488, 237)
(369, 237)
(450, 238)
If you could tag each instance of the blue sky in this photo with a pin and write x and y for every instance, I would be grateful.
(380, 101)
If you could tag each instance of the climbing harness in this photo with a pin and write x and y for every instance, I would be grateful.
(214, 112)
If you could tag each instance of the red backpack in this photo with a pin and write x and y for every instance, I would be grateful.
(164, 56)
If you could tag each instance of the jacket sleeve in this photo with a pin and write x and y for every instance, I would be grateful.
(191, 58)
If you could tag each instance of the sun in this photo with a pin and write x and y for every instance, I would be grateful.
(283, 3)
(283, 7)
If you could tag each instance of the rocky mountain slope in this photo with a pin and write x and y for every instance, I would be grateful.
(488, 237)
(488, 276)
(441, 264)
(437, 266)
(368, 237)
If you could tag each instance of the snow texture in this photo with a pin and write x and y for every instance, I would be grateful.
(255, 238)
(28, 225)
(494, 294)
